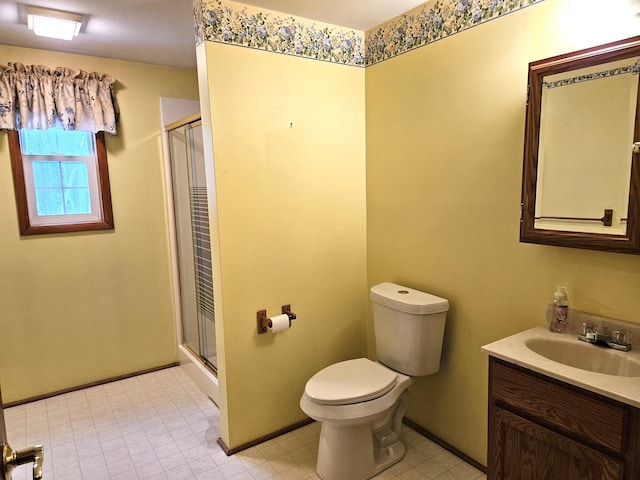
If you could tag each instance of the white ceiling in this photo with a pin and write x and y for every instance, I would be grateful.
(161, 31)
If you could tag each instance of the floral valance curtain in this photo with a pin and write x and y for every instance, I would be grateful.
(36, 97)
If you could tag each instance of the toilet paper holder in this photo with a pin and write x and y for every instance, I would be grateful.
(264, 323)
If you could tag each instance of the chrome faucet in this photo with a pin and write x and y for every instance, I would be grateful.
(618, 339)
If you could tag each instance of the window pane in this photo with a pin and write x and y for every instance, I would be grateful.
(55, 141)
(75, 174)
(46, 174)
(75, 143)
(77, 201)
(49, 202)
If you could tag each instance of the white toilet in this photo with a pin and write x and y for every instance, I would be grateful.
(360, 402)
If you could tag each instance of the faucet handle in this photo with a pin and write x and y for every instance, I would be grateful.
(589, 329)
(620, 340)
(620, 336)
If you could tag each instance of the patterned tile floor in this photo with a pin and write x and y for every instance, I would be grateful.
(159, 426)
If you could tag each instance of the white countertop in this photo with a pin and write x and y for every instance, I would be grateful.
(513, 349)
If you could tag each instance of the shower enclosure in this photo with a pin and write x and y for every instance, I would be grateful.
(192, 239)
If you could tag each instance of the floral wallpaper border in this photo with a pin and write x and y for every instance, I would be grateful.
(237, 24)
(433, 21)
(249, 27)
(629, 69)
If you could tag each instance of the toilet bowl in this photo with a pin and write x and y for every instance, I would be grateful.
(361, 403)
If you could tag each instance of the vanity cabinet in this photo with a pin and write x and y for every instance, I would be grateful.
(544, 429)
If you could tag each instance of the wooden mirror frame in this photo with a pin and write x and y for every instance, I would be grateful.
(628, 243)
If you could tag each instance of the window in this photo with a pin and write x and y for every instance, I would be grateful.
(61, 181)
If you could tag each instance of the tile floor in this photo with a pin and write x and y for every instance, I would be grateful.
(160, 426)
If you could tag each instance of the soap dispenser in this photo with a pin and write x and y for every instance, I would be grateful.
(560, 310)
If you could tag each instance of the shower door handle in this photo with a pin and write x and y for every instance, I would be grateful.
(13, 458)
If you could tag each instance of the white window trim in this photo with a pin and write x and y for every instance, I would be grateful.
(71, 224)
(94, 191)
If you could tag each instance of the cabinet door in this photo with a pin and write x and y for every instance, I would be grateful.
(523, 450)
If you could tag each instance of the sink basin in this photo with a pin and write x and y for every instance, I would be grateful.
(574, 353)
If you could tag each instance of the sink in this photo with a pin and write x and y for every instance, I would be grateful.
(563, 357)
(574, 353)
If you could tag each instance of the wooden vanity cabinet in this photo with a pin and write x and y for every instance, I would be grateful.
(544, 429)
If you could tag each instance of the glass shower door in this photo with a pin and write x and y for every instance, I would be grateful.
(193, 241)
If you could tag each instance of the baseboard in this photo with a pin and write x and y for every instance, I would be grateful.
(231, 451)
(87, 385)
(445, 445)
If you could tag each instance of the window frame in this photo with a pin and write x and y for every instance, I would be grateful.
(22, 204)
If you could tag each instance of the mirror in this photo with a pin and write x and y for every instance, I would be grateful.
(581, 184)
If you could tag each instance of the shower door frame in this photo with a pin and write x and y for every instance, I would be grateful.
(188, 122)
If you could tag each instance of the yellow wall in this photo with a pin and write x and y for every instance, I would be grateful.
(445, 133)
(289, 150)
(78, 308)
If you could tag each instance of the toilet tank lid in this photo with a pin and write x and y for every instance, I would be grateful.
(408, 300)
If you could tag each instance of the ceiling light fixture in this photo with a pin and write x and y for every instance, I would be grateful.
(53, 23)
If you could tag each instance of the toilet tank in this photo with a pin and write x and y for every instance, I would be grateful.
(409, 328)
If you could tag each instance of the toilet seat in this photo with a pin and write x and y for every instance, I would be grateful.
(351, 381)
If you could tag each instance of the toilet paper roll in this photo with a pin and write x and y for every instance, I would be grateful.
(279, 323)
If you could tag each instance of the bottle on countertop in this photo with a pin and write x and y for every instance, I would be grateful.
(560, 310)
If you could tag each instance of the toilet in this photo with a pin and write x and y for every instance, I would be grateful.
(361, 403)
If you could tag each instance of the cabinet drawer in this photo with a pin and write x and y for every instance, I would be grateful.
(592, 419)
(532, 452)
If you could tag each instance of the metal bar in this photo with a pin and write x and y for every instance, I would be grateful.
(606, 219)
